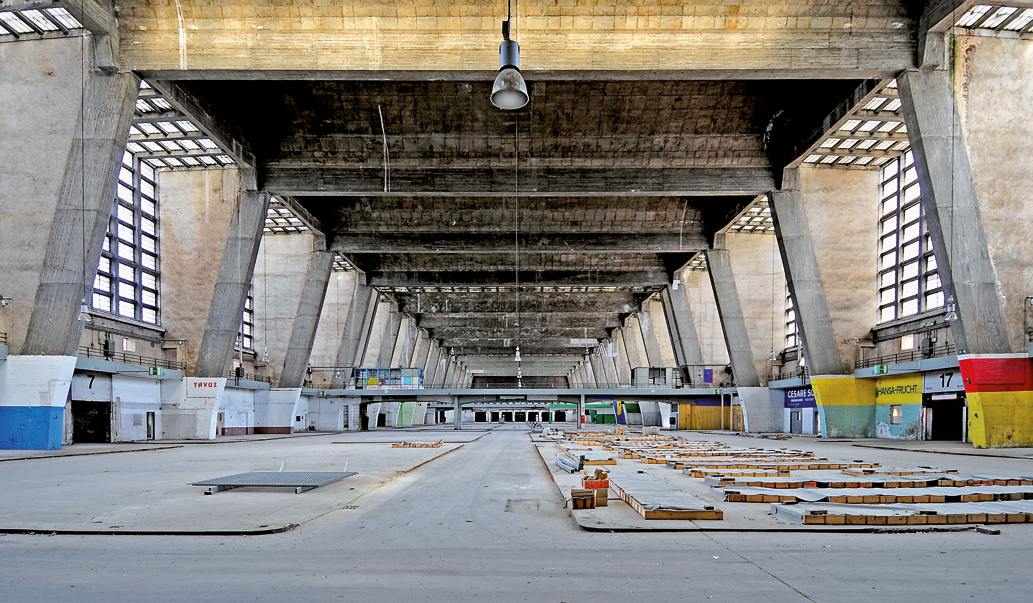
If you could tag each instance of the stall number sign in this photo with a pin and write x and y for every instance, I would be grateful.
(948, 380)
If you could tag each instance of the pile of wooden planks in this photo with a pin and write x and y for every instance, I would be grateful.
(437, 444)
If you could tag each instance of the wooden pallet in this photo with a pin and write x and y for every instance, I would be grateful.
(907, 515)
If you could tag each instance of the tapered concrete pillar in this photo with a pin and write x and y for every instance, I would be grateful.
(827, 260)
(600, 373)
(650, 344)
(62, 136)
(433, 365)
(610, 369)
(231, 288)
(306, 319)
(679, 324)
(421, 351)
(705, 316)
(633, 343)
(952, 211)
(593, 380)
(333, 319)
(356, 331)
(732, 320)
(660, 328)
(622, 361)
(391, 333)
(457, 412)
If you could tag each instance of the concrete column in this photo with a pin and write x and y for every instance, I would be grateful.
(679, 324)
(433, 361)
(457, 413)
(828, 260)
(952, 210)
(761, 286)
(650, 344)
(378, 333)
(591, 379)
(700, 295)
(622, 362)
(732, 320)
(633, 343)
(663, 335)
(600, 373)
(360, 318)
(421, 351)
(333, 318)
(610, 369)
(235, 271)
(303, 332)
(62, 135)
(405, 343)
(391, 334)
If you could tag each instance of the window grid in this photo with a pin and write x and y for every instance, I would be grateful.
(792, 337)
(246, 336)
(908, 281)
(126, 283)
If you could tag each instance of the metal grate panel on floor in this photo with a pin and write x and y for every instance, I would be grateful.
(301, 481)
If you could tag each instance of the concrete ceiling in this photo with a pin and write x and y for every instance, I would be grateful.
(609, 185)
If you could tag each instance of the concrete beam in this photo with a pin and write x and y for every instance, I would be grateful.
(531, 318)
(311, 181)
(791, 39)
(544, 278)
(426, 304)
(733, 321)
(235, 272)
(310, 306)
(952, 212)
(499, 242)
(92, 160)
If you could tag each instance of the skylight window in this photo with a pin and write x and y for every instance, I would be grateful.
(1019, 23)
(40, 21)
(64, 17)
(13, 23)
(973, 15)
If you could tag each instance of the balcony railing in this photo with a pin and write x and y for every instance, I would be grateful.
(233, 375)
(3, 338)
(908, 356)
(88, 352)
(796, 372)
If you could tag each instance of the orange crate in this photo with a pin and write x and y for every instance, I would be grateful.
(595, 484)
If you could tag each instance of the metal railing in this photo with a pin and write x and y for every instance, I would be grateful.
(243, 376)
(88, 352)
(796, 372)
(3, 338)
(908, 356)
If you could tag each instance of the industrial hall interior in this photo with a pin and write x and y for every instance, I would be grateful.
(220, 219)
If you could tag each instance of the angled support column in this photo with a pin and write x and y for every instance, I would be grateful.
(80, 218)
(732, 320)
(238, 265)
(622, 362)
(356, 329)
(420, 351)
(303, 332)
(828, 260)
(650, 344)
(433, 366)
(952, 211)
(609, 365)
(392, 331)
(805, 283)
(683, 330)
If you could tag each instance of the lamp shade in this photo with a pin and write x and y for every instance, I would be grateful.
(509, 91)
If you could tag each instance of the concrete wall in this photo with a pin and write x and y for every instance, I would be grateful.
(280, 271)
(842, 213)
(196, 209)
(276, 409)
(40, 92)
(700, 294)
(994, 93)
(762, 409)
(761, 285)
(333, 319)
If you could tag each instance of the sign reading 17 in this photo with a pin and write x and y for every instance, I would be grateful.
(945, 379)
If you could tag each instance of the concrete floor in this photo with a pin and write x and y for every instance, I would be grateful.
(484, 522)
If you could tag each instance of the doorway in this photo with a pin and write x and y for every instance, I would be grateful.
(91, 422)
(944, 418)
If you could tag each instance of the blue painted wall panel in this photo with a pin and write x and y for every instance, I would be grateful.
(31, 427)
